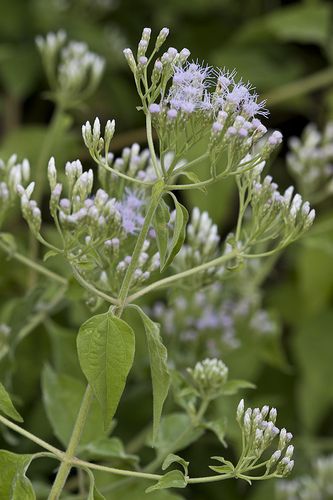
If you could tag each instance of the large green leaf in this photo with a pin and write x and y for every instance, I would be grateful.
(14, 485)
(62, 395)
(158, 365)
(106, 346)
(6, 405)
(176, 432)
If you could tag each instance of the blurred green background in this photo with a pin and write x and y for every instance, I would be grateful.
(285, 48)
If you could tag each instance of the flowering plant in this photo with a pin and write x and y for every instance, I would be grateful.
(122, 234)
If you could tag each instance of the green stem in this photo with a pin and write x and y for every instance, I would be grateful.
(92, 289)
(184, 274)
(67, 459)
(32, 264)
(155, 199)
(151, 145)
(105, 165)
(43, 444)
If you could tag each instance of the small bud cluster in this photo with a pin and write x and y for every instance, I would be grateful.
(72, 70)
(310, 161)
(202, 245)
(98, 230)
(12, 174)
(259, 431)
(275, 217)
(163, 66)
(213, 322)
(208, 377)
(30, 210)
(93, 140)
(133, 162)
(317, 486)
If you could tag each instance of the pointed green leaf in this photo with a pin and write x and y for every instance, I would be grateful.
(194, 179)
(222, 469)
(173, 479)
(219, 427)
(6, 405)
(14, 485)
(172, 458)
(160, 223)
(106, 346)
(159, 368)
(179, 232)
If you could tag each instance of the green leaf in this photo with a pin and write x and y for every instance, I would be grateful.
(172, 458)
(106, 346)
(233, 386)
(160, 224)
(222, 469)
(159, 369)
(64, 352)
(191, 176)
(106, 448)
(176, 429)
(301, 23)
(219, 427)
(49, 254)
(14, 485)
(62, 395)
(179, 232)
(6, 405)
(173, 479)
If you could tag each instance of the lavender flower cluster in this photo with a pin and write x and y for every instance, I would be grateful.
(211, 103)
(98, 231)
